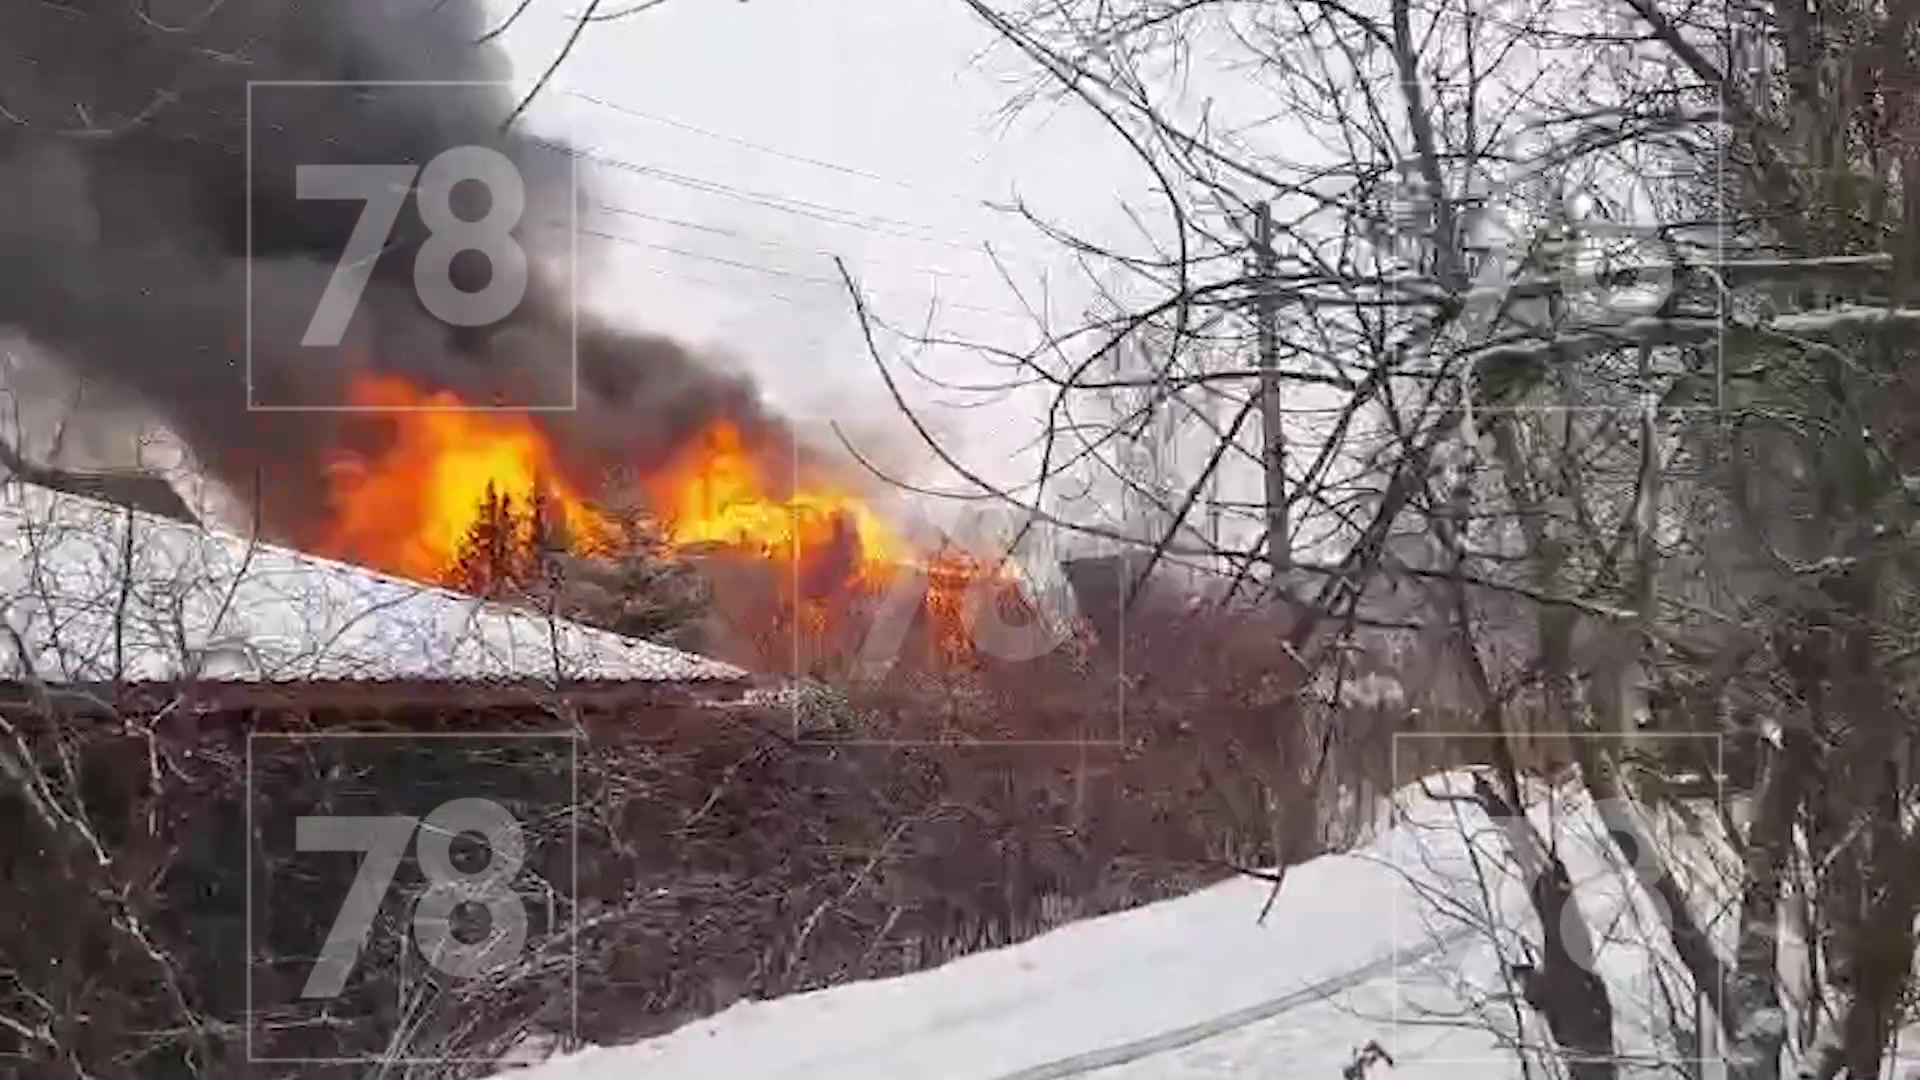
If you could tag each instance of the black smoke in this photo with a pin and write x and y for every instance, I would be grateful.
(124, 234)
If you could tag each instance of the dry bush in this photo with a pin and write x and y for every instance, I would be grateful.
(723, 853)
(719, 859)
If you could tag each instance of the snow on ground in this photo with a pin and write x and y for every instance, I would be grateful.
(1388, 943)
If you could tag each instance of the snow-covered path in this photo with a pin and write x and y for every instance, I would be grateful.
(1188, 988)
(1268, 1016)
(1129, 995)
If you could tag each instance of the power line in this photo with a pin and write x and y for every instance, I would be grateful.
(679, 275)
(970, 200)
(769, 242)
(819, 211)
(774, 271)
(703, 257)
(731, 289)
(802, 159)
(768, 198)
(917, 232)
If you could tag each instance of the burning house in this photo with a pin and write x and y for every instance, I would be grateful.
(150, 656)
(177, 268)
(792, 560)
(383, 485)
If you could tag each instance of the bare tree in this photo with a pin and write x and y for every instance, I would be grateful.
(1605, 309)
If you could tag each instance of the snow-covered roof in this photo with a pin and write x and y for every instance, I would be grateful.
(95, 593)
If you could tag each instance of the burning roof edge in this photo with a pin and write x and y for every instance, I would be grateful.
(93, 593)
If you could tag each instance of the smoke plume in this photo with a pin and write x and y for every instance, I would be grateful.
(124, 242)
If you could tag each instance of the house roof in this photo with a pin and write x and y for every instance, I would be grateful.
(93, 593)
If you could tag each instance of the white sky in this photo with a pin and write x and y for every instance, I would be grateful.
(870, 129)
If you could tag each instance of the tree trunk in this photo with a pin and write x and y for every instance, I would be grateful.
(1757, 1021)
(1572, 1000)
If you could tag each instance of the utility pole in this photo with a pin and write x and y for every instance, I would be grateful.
(1274, 451)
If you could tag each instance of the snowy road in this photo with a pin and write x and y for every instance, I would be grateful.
(1108, 1061)
(1360, 948)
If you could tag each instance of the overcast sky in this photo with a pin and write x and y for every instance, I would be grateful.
(758, 139)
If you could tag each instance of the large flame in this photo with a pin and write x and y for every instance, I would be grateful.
(410, 509)
(715, 491)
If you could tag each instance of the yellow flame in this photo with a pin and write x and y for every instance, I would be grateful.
(409, 509)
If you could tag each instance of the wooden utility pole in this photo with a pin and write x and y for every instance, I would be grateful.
(1274, 452)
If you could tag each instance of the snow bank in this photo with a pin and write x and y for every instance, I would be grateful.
(1397, 942)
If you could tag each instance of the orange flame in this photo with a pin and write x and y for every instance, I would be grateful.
(409, 510)
(716, 492)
